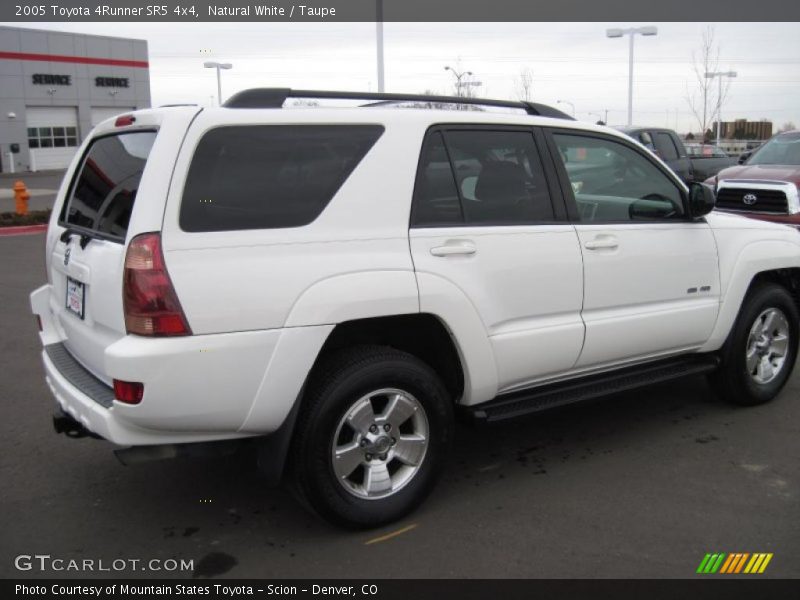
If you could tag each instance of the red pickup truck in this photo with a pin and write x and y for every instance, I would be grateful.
(765, 186)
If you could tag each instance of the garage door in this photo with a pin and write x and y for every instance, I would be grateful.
(52, 136)
(100, 113)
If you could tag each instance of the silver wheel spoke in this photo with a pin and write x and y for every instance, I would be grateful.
(398, 410)
(779, 346)
(362, 416)
(347, 458)
(410, 449)
(769, 320)
(765, 370)
(752, 360)
(377, 479)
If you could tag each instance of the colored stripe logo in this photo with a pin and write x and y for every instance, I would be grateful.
(734, 563)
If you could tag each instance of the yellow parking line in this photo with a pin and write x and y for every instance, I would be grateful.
(389, 536)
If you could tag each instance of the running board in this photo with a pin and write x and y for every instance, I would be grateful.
(516, 404)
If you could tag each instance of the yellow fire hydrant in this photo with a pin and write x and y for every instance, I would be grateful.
(21, 197)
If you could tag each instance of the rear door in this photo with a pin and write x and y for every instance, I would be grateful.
(115, 190)
(489, 222)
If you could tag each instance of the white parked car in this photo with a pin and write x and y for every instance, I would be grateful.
(331, 284)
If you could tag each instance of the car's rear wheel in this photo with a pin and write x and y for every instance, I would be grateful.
(372, 436)
(759, 355)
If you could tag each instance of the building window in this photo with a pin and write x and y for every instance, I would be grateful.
(52, 137)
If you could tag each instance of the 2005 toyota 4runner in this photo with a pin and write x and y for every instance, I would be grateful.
(332, 284)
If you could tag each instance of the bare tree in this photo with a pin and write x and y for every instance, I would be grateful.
(703, 95)
(523, 85)
(788, 126)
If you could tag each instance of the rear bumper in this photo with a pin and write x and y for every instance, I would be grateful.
(196, 388)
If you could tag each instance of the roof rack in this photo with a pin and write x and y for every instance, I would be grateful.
(275, 97)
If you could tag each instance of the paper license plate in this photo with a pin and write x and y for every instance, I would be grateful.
(76, 295)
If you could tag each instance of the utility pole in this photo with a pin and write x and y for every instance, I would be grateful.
(719, 75)
(379, 36)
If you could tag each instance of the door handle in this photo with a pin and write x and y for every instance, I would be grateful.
(602, 243)
(455, 249)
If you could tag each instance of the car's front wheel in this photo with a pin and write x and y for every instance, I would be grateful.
(759, 355)
(372, 437)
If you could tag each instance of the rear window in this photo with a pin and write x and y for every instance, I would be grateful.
(269, 176)
(104, 191)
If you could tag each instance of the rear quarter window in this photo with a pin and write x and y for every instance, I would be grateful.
(269, 176)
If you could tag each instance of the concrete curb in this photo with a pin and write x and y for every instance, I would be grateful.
(23, 230)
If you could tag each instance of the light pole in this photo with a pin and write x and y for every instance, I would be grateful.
(571, 105)
(212, 64)
(598, 115)
(460, 85)
(379, 39)
(631, 32)
(719, 75)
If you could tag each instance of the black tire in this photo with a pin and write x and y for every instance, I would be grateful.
(335, 388)
(733, 381)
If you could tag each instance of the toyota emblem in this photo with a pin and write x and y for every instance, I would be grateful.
(750, 199)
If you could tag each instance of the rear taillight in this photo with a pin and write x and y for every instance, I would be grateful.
(150, 303)
(129, 392)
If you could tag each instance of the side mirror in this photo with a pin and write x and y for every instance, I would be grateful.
(743, 157)
(701, 199)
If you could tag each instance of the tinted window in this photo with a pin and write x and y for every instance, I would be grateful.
(105, 189)
(270, 176)
(666, 146)
(613, 182)
(647, 140)
(492, 178)
(436, 195)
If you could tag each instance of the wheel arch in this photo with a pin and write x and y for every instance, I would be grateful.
(776, 261)
(420, 334)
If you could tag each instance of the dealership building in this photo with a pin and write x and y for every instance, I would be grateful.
(54, 87)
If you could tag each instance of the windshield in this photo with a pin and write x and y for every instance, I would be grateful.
(783, 149)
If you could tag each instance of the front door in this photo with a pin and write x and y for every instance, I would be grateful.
(651, 279)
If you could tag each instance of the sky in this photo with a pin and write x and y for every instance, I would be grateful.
(571, 62)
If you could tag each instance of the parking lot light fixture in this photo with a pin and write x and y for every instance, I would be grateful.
(631, 32)
(719, 75)
(571, 105)
(462, 87)
(212, 64)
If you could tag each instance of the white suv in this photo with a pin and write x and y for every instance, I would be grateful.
(329, 285)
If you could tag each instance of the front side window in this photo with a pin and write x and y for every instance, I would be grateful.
(666, 146)
(481, 177)
(269, 176)
(104, 190)
(612, 182)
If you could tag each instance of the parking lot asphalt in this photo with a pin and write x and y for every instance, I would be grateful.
(642, 484)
